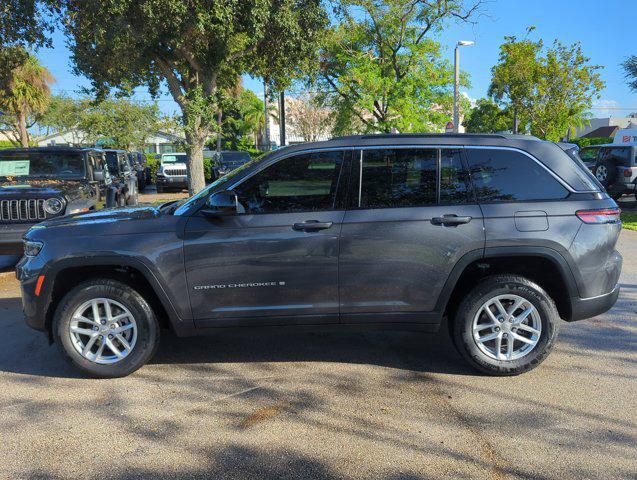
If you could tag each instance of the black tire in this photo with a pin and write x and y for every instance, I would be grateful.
(504, 285)
(605, 172)
(148, 330)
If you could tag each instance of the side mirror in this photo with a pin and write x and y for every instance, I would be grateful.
(98, 176)
(221, 204)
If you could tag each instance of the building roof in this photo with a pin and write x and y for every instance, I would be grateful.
(602, 132)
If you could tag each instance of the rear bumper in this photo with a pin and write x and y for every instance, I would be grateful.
(582, 308)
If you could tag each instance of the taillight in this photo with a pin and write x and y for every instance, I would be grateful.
(627, 173)
(603, 215)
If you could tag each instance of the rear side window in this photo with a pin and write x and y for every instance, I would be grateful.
(588, 154)
(507, 175)
(398, 178)
(619, 155)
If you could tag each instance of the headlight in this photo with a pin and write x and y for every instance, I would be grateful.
(31, 248)
(53, 206)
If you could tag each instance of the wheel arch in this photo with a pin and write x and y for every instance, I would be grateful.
(542, 265)
(68, 273)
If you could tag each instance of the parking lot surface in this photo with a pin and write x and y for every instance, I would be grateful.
(318, 405)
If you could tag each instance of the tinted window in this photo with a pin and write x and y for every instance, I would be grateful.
(302, 183)
(41, 164)
(506, 175)
(454, 181)
(398, 178)
(620, 156)
(588, 154)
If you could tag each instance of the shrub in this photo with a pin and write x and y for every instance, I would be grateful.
(587, 142)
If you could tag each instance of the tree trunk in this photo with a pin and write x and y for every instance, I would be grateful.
(194, 148)
(219, 118)
(22, 130)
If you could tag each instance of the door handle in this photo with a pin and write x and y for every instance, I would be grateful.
(450, 220)
(311, 225)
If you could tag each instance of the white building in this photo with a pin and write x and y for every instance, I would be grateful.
(159, 142)
(600, 123)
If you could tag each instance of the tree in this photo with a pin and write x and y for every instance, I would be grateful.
(120, 123)
(549, 89)
(515, 75)
(198, 48)
(307, 118)
(488, 117)
(24, 92)
(380, 69)
(630, 67)
(64, 115)
(27, 22)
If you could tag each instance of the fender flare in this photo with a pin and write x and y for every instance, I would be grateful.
(52, 270)
(555, 257)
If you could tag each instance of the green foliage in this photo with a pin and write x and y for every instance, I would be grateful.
(550, 89)
(586, 142)
(27, 22)
(488, 117)
(63, 114)
(24, 92)
(199, 48)
(630, 67)
(380, 70)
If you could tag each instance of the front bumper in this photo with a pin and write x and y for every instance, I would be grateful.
(582, 308)
(28, 270)
(11, 244)
(172, 182)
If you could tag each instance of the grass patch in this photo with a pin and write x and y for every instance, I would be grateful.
(629, 220)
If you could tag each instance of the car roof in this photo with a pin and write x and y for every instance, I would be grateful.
(48, 149)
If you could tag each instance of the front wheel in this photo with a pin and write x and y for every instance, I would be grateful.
(506, 325)
(105, 328)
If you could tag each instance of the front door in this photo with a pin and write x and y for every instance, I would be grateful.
(275, 263)
(412, 216)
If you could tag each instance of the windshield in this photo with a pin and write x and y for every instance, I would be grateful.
(42, 164)
(174, 158)
(183, 205)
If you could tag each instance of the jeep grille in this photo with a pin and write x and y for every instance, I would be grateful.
(22, 210)
(174, 172)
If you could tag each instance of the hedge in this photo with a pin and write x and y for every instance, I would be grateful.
(587, 142)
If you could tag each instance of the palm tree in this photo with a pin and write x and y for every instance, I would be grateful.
(26, 97)
(253, 113)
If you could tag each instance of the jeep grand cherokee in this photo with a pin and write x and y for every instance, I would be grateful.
(501, 235)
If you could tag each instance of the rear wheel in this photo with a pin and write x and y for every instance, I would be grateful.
(105, 328)
(605, 172)
(506, 325)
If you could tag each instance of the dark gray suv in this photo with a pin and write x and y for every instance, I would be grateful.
(500, 235)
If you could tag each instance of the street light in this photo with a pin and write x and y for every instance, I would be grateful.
(456, 85)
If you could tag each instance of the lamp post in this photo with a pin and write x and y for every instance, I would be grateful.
(456, 85)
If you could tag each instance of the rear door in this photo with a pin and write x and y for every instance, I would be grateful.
(411, 217)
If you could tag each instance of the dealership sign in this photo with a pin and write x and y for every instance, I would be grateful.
(626, 136)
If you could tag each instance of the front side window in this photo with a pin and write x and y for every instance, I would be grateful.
(508, 175)
(588, 154)
(302, 183)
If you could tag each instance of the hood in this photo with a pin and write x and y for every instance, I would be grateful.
(30, 188)
(112, 221)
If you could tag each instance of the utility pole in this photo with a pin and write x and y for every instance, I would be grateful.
(266, 118)
(456, 83)
(282, 139)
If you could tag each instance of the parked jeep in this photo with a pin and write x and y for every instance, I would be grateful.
(501, 235)
(42, 183)
(124, 177)
(173, 172)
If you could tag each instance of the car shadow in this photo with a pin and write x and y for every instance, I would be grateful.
(26, 351)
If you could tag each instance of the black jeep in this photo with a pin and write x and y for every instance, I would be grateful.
(124, 177)
(41, 183)
(137, 161)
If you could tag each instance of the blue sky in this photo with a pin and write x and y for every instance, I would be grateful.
(606, 30)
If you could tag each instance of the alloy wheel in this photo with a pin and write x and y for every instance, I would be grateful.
(103, 331)
(507, 327)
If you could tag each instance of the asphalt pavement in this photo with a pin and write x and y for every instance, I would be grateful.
(325, 406)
